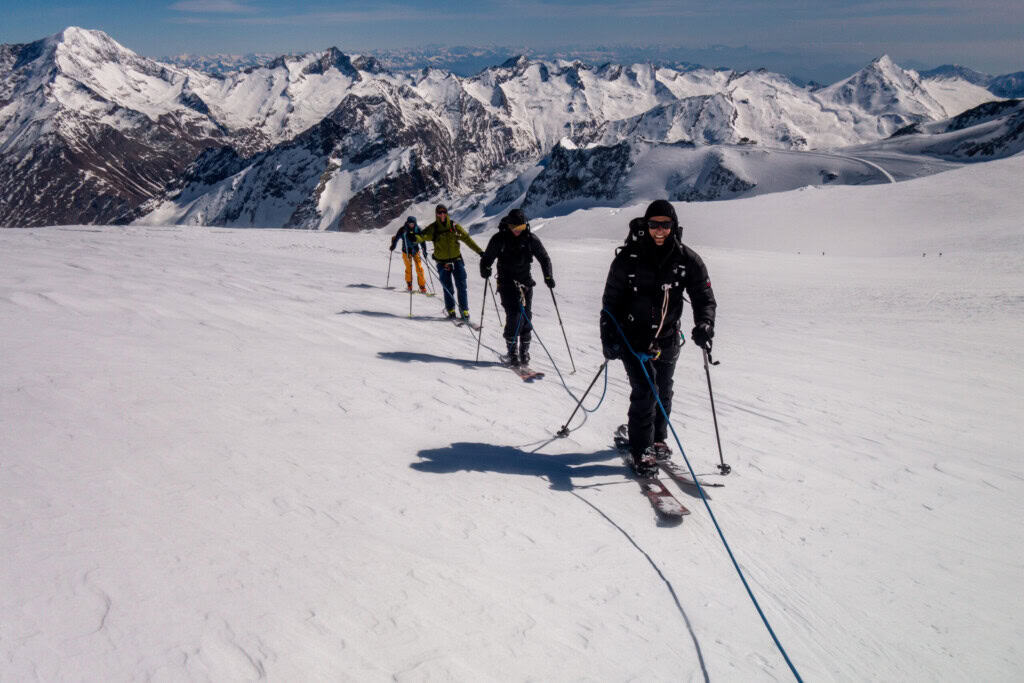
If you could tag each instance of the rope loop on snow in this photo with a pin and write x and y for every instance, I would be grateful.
(586, 411)
(643, 358)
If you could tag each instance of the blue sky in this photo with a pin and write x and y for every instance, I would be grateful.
(987, 35)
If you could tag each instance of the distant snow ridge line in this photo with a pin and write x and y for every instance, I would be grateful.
(91, 132)
(990, 131)
(1010, 86)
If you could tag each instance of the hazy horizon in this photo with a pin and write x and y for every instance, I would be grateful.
(821, 42)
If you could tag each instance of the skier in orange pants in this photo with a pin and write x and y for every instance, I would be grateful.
(410, 252)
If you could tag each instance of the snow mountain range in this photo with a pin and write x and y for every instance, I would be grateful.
(1007, 85)
(91, 132)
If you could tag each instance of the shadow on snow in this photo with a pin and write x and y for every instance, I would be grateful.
(559, 470)
(365, 285)
(397, 316)
(412, 356)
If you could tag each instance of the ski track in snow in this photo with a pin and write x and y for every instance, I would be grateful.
(232, 455)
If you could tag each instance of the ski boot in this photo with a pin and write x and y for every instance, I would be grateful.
(644, 464)
(524, 353)
(512, 357)
(408, 286)
(465, 315)
(450, 313)
(661, 450)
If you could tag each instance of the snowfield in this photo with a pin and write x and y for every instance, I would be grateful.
(231, 454)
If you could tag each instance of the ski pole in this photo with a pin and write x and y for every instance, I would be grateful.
(723, 468)
(483, 309)
(426, 266)
(410, 301)
(552, 290)
(430, 275)
(497, 311)
(388, 283)
(564, 431)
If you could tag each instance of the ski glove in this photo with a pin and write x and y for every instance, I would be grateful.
(612, 351)
(485, 271)
(550, 281)
(702, 335)
(392, 248)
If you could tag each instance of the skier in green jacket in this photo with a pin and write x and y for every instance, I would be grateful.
(446, 235)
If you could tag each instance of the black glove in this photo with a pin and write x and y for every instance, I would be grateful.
(550, 281)
(702, 335)
(392, 248)
(485, 271)
(612, 351)
(449, 267)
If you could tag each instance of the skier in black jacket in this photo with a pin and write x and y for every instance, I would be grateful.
(515, 247)
(644, 297)
(411, 252)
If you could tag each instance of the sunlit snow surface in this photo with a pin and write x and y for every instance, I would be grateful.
(227, 454)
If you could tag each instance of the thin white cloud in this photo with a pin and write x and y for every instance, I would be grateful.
(212, 6)
(378, 14)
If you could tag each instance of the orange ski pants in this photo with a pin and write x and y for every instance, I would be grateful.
(408, 269)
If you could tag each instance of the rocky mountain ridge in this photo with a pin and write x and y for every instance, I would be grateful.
(92, 132)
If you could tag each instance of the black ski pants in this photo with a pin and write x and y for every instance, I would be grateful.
(516, 324)
(646, 422)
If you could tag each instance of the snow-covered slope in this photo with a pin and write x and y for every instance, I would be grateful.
(990, 131)
(615, 175)
(957, 95)
(231, 454)
(1006, 85)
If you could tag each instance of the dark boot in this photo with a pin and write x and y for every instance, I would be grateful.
(512, 358)
(524, 352)
(644, 464)
(662, 450)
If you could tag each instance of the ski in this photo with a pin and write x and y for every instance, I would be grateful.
(459, 322)
(665, 505)
(682, 476)
(677, 472)
(527, 374)
(465, 323)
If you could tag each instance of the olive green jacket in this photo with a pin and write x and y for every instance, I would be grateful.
(446, 237)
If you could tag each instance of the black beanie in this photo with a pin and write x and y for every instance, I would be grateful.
(516, 217)
(440, 207)
(661, 207)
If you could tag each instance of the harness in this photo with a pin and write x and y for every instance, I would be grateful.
(676, 280)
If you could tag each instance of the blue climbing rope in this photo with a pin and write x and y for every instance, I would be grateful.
(643, 358)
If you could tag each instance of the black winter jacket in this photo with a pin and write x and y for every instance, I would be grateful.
(515, 255)
(635, 290)
(409, 244)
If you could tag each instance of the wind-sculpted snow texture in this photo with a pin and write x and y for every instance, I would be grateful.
(91, 132)
(231, 454)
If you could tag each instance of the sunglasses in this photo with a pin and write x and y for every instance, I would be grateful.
(442, 213)
(659, 225)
